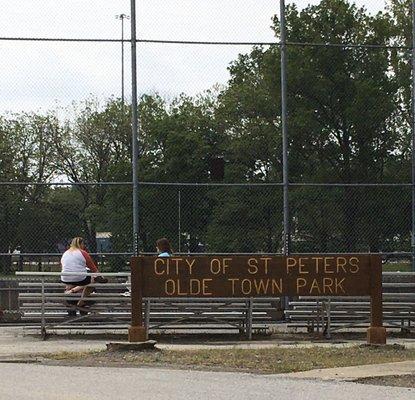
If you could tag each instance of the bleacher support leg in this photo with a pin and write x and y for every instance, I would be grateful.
(328, 310)
(147, 315)
(43, 321)
(249, 320)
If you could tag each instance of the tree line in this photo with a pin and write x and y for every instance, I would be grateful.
(349, 121)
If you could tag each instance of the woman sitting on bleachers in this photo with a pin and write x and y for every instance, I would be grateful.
(77, 260)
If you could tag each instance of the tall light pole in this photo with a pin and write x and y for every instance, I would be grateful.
(122, 17)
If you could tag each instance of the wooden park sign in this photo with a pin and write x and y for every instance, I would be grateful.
(257, 276)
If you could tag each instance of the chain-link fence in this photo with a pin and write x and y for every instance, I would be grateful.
(210, 111)
(200, 218)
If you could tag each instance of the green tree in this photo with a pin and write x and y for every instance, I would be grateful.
(343, 111)
(94, 147)
(181, 139)
(26, 155)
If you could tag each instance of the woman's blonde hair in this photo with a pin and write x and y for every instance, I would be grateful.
(77, 243)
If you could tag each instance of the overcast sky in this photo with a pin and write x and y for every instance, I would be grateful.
(38, 76)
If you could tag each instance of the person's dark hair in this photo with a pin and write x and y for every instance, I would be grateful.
(164, 246)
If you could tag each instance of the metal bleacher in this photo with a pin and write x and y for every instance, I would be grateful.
(326, 315)
(45, 306)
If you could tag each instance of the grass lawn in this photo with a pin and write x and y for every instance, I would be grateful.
(394, 267)
(267, 361)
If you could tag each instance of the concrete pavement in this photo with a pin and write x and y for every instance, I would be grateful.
(16, 342)
(39, 382)
(14, 346)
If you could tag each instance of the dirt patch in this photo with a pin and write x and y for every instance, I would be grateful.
(265, 361)
(407, 381)
(232, 338)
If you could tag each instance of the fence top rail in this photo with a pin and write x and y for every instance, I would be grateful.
(212, 184)
(193, 254)
(207, 42)
(29, 273)
(181, 253)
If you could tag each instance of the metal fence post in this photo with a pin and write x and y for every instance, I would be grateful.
(287, 238)
(180, 218)
(134, 128)
(285, 176)
(413, 137)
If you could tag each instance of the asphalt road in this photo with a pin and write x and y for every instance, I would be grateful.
(38, 382)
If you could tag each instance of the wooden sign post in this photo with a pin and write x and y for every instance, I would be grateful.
(257, 276)
(376, 334)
